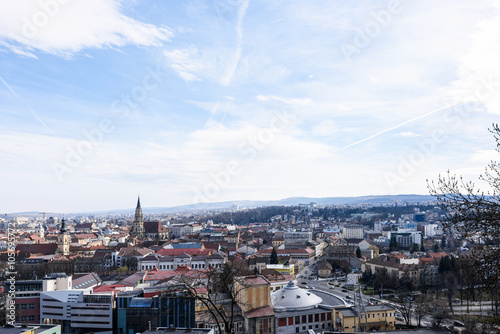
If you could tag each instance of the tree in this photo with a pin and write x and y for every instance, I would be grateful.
(414, 248)
(439, 311)
(273, 259)
(217, 290)
(404, 304)
(358, 253)
(421, 308)
(435, 248)
(393, 245)
(443, 242)
(472, 214)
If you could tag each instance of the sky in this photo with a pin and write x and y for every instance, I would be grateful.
(196, 101)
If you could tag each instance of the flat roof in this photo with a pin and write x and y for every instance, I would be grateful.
(21, 330)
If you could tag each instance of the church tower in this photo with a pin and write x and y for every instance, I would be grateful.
(138, 225)
(63, 240)
(40, 230)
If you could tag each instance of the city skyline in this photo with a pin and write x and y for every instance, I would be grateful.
(241, 100)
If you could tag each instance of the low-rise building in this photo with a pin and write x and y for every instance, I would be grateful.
(377, 317)
(298, 311)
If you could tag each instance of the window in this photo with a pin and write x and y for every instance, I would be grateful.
(282, 322)
(323, 316)
(310, 318)
(297, 329)
(290, 321)
(297, 320)
(316, 317)
(304, 319)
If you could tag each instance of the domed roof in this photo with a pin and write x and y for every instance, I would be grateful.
(293, 298)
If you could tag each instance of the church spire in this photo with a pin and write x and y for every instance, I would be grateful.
(63, 226)
(138, 224)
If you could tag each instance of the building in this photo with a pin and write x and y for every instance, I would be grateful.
(285, 269)
(432, 230)
(27, 295)
(297, 238)
(172, 262)
(136, 313)
(32, 329)
(164, 330)
(324, 269)
(254, 298)
(353, 231)
(406, 239)
(155, 230)
(307, 255)
(63, 240)
(77, 310)
(378, 317)
(298, 311)
(138, 224)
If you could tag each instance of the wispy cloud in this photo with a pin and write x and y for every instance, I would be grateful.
(64, 28)
(226, 80)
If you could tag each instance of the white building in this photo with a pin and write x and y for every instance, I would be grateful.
(74, 309)
(431, 230)
(297, 311)
(301, 237)
(353, 231)
(407, 239)
(172, 262)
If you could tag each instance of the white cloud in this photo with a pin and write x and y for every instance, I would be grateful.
(408, 134)
(478, 71)
(185, 63)
(484, 156)
(66, 27)
(326, 128)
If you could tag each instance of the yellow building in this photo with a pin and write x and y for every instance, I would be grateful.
(379, 317)
(253, 295)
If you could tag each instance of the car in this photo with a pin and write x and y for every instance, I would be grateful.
(426, 324)
(344, 290)
(331, 287)
(457, 323)
(348, 297)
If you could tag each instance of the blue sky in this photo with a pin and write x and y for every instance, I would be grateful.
(194, 101)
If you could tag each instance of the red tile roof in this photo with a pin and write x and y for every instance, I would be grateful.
(264, 311)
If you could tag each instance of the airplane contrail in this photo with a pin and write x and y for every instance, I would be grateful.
(394, 127)
(27, 105)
